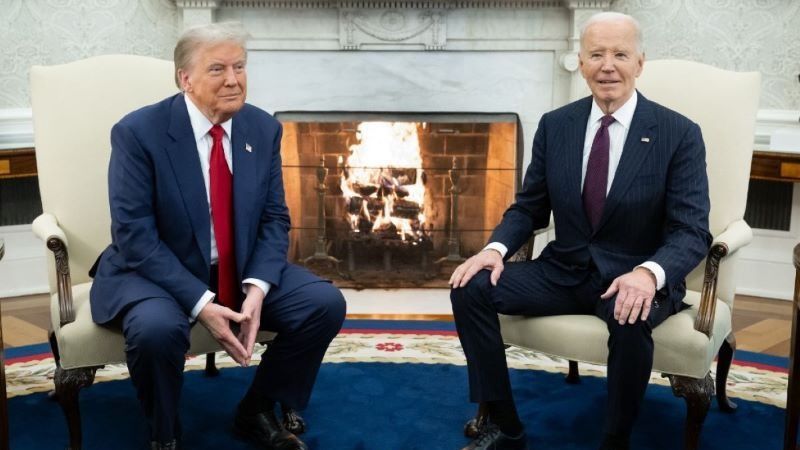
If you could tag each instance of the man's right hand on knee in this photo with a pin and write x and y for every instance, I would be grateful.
(489, 259)
(216, 318)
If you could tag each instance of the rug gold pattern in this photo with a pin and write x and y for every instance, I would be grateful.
(745, 382)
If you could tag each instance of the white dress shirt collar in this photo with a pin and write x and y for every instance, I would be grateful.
(623, 116)
(200, 123)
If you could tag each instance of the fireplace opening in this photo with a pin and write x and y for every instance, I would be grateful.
(395, 199)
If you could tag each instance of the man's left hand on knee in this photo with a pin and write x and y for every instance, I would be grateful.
(635, 291)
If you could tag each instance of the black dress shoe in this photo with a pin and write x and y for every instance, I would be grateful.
(171, 445)
(263, 428)
(491, 438)
(292, 421)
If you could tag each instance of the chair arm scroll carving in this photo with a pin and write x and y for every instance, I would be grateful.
(708, 298)
(65, 307)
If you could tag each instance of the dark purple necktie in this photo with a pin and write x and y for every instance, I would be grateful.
(596, 181)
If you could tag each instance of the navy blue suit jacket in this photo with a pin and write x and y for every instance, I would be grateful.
(160, 221)
(657, 208)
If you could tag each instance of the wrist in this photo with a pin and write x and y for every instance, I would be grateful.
(649, 273)
(494, 250)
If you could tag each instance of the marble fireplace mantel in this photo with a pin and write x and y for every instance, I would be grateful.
(510, 56)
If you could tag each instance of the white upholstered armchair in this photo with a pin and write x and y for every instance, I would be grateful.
(724, 104)
(74, 107)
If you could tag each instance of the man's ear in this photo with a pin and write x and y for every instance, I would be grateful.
(183, 79)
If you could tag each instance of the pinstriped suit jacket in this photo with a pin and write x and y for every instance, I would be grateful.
(657, 208)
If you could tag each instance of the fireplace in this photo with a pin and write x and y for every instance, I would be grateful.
(396, 199)
(409, 58)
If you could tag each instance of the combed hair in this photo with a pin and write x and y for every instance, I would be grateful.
(195, 37)
(610, 16)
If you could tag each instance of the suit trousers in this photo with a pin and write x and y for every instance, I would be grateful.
(524, 289)
(156, 334)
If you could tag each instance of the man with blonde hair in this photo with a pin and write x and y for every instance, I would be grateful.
(625, 180)
(200, 233)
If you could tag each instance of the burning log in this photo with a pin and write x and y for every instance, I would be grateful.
(354, 205)
(365, 190)
(374, 205)
(406, 209)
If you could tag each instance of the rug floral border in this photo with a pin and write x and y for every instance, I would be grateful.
(745, 382)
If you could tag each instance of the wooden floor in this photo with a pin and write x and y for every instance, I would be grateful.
(761, 325)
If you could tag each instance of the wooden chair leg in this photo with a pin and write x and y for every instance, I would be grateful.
(211, 365)
(474, 426)
(724, 359)
(68, 385)
(697, 392)
(292, 421)
(574, 376)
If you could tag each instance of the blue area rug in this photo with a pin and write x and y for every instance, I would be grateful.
(392, 404)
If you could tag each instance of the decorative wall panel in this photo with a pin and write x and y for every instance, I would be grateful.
(742, 35)
(58, 31)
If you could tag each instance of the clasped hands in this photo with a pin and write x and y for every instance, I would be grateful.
(635, 290)
(217, 319)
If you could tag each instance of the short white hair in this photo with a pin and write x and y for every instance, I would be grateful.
(610, 16)
(195, 37)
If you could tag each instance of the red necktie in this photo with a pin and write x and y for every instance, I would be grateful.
(222, 216)
(595, 183)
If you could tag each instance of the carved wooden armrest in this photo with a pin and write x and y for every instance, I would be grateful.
(708, 298)
(736, 235)
(63, 281)
(46, 228)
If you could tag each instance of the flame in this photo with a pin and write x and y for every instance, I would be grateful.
(383, 150)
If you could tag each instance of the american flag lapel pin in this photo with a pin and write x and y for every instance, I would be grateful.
(247, 147)
(644, 139)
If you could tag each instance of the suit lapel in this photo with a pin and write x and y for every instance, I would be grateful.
(575, 135)
(245, 180)
(183, 156)
(634, 153)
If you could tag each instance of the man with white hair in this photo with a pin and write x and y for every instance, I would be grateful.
(625, 180)
(200, 233)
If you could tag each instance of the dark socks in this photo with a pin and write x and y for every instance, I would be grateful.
(503, 413)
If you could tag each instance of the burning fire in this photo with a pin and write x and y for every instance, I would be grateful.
(383, 182)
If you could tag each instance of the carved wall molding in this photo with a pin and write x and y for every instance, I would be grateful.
(394, 4)
(209, 4)
(358, 27)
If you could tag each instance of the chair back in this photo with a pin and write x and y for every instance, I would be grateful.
(724, 104)
(74, 107)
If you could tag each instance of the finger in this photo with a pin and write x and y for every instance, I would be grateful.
(625, 311)
(453, 276)
(646, 308)
(227, 338)
(618, 305)
(456, 276)
(635, 310)
(611, 290)
(233, 315)
(495, 276)
(470, 272)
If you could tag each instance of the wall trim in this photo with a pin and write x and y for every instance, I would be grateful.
(16, 126)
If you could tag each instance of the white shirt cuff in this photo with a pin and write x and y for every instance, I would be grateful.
(497, 246)
(207, 297)
(263, 285)
(658, 272)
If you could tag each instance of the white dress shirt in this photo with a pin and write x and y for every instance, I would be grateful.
(617, 133)
(201, 127)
